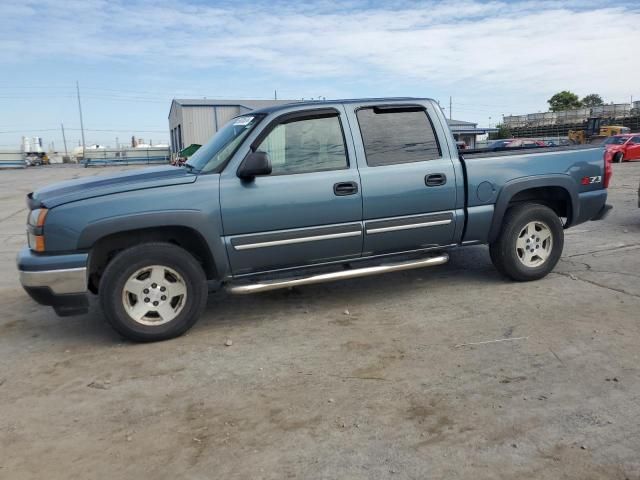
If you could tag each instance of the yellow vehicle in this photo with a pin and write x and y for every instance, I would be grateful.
(595, 131)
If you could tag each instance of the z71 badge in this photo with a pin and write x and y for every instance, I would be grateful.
(591, 180)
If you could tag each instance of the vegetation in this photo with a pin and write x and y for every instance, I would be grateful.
(503, 132)
(564, 100)
(592, 100)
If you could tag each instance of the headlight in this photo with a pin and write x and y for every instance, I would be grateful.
(35, 229)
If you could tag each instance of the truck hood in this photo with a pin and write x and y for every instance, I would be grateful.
(84, 188)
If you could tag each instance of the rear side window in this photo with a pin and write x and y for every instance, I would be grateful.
(305, 146)
(392, 136)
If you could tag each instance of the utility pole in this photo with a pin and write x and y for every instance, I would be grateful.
(275, 94)
(81, 123)
(64, 139)
(450, 108)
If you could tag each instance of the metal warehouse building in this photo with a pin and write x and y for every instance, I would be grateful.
(195, 121)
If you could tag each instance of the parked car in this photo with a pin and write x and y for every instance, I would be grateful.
(561, 142)
(624, 148)
(298, 194)
(498, 145)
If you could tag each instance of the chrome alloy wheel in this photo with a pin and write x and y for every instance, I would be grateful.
(534, 244)
(154, 295)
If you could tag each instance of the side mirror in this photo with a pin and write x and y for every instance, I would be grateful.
(254, 164)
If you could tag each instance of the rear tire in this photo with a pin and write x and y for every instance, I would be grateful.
(153, 291)
(530, 242)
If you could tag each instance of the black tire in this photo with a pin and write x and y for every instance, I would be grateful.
(618, 157)
(503, 251)
(133, 259)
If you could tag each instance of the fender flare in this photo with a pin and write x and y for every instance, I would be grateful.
(192, 219)
(513, 187)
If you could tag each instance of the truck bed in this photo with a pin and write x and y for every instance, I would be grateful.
(485, 152)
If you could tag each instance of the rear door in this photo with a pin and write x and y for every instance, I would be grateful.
(309, 210)
(408, 177)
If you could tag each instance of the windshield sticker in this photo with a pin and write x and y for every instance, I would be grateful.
(243, 121)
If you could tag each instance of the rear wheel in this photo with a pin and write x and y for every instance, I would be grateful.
(618, 157)
(530, 243)
(153, 291)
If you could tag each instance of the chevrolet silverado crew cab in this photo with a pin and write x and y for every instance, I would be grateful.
(298, 194)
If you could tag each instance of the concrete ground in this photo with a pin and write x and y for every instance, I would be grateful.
(383, 377)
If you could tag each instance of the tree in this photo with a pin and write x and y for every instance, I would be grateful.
(592, 100)
(503, 132)
(564, 100)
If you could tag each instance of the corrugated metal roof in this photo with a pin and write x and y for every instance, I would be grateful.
(460, 122)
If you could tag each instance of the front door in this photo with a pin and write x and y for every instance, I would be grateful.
(633, 149)
(309, 210)
(408, 178)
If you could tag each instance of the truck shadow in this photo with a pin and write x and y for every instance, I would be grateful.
(467, 267)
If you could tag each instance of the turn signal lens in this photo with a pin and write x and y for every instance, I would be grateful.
(41, 216)
(39, 243)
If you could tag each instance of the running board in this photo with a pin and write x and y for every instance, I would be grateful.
(341, 275)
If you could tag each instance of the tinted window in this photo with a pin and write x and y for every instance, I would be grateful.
(308, 145)
(635, 140)
(614, 141)
(397, 136)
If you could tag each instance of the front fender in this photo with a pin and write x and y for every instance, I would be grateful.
(77, 226)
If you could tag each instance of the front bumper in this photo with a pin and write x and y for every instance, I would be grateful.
(59, 281)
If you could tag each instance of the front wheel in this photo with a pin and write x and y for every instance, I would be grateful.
(618, 157)
(530, 243)
(153, 291)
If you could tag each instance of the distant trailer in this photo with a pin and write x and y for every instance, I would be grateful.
(12, 159)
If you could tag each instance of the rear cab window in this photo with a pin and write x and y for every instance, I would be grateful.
(395, 135)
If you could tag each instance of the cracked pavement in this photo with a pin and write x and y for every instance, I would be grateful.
(449, 372)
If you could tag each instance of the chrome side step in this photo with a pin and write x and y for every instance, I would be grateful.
(341, 275)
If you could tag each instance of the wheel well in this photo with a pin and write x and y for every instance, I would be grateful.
(106, 248)
(556, 198)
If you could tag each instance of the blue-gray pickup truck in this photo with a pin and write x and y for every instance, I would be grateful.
(298, 194)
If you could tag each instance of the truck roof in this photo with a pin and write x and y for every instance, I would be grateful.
(275, 108)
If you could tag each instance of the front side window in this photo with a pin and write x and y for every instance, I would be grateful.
(614, 141)
(635, 140)
(215, 153)
(306, 145)
(393, 136)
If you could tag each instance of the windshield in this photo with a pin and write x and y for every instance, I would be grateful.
(215, 153)
(615, 141)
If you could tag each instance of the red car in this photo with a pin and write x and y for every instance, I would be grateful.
(624, 147)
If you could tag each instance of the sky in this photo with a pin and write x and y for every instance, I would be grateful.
(131, 58)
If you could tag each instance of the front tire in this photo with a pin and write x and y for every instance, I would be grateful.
(530, 243)
(618, 157)
(153, 291)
